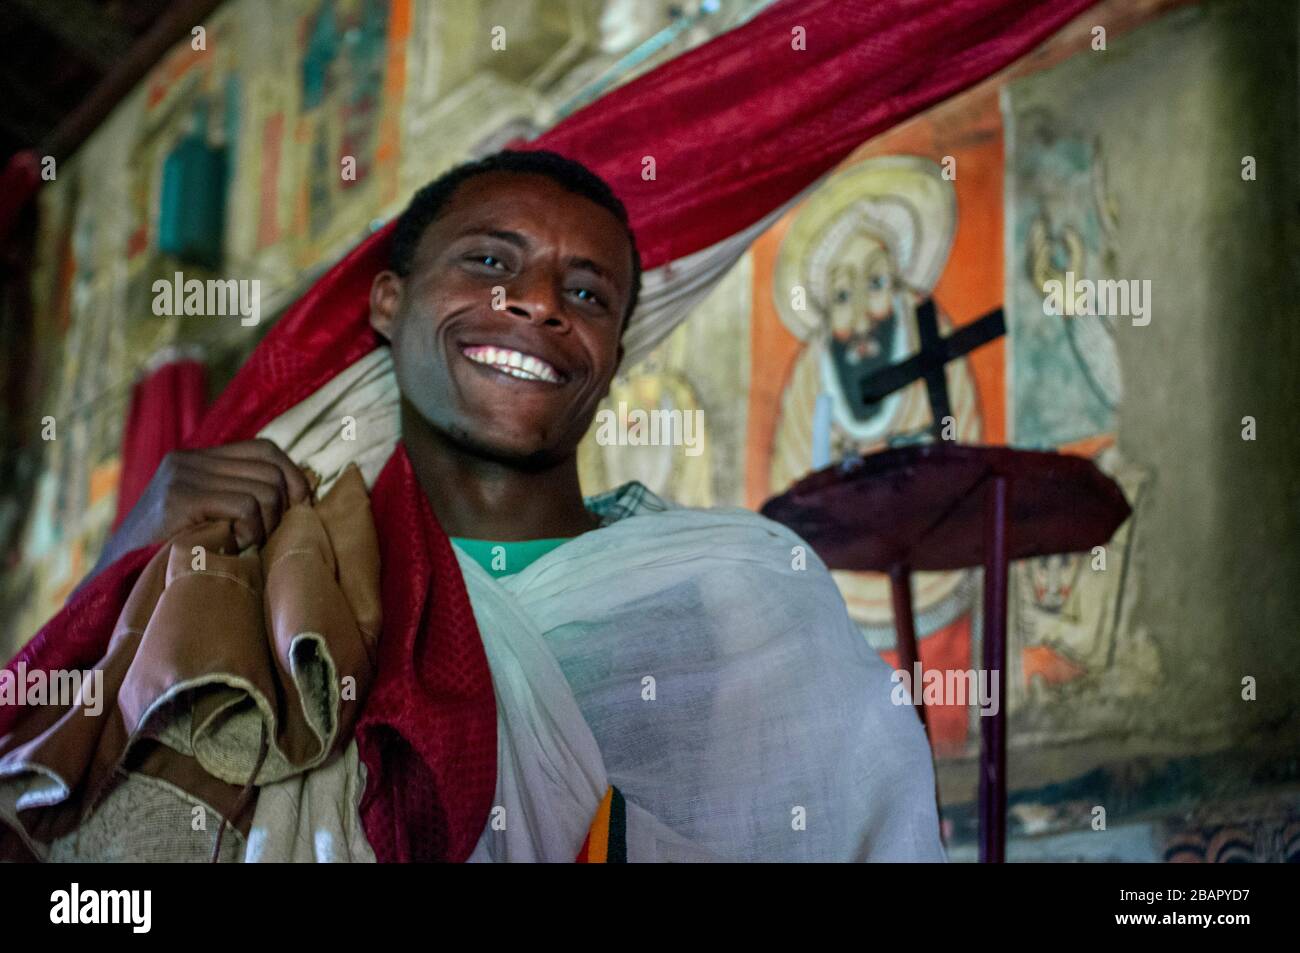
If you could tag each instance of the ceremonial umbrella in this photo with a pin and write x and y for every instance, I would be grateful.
(945, 506)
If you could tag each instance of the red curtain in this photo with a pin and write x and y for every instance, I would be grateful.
(20, 180)
(166, 407)
(743, 123)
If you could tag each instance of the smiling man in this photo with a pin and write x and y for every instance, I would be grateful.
(511, 283)
(640, 681)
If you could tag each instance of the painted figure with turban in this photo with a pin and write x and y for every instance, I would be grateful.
(857, 261)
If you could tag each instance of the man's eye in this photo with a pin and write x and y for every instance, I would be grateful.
(491, 261)
(586, 294)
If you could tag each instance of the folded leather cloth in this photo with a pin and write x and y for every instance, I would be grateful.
(226, 671)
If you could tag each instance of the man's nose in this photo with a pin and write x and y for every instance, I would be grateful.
(535, 295)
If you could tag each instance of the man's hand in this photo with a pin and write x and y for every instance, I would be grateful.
(250, 483)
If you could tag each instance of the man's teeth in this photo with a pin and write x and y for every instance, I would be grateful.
(515, 363)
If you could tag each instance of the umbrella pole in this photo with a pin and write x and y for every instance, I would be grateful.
(993, 728)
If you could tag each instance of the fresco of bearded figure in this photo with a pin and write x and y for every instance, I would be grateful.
(858, 259)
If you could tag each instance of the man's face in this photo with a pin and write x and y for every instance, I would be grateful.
(505, 334)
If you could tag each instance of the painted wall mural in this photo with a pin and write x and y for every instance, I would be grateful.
(1073, 630)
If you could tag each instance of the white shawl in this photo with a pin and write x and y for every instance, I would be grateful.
(727, 693)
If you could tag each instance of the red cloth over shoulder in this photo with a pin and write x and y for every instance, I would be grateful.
(428, 733)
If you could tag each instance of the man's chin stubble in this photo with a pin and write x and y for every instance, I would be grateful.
(472, 445)
(466, 443)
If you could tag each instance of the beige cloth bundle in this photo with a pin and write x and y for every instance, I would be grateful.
(225, 673)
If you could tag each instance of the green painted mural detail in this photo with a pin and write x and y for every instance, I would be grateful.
(1064, 369)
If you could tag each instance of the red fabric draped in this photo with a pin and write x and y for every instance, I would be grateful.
(166, 407)
(20, 180)
(743, 123)
(735, 128)
(428, 734)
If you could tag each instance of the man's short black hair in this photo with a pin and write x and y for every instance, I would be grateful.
(428, 203)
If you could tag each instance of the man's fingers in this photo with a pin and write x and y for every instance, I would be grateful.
(253, 508)
(240, 508)
(267, 452)
(212, 467)
(270, 504)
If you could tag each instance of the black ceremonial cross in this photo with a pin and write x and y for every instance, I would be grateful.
(929, 361)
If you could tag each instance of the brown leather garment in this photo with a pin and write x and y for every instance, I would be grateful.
(224, 671)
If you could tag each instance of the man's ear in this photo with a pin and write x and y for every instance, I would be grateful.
(385, 296)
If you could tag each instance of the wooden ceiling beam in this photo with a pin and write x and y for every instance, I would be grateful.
(82, 26)
(173, 26)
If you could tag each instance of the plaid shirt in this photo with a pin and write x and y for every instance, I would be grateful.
(631, 499)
